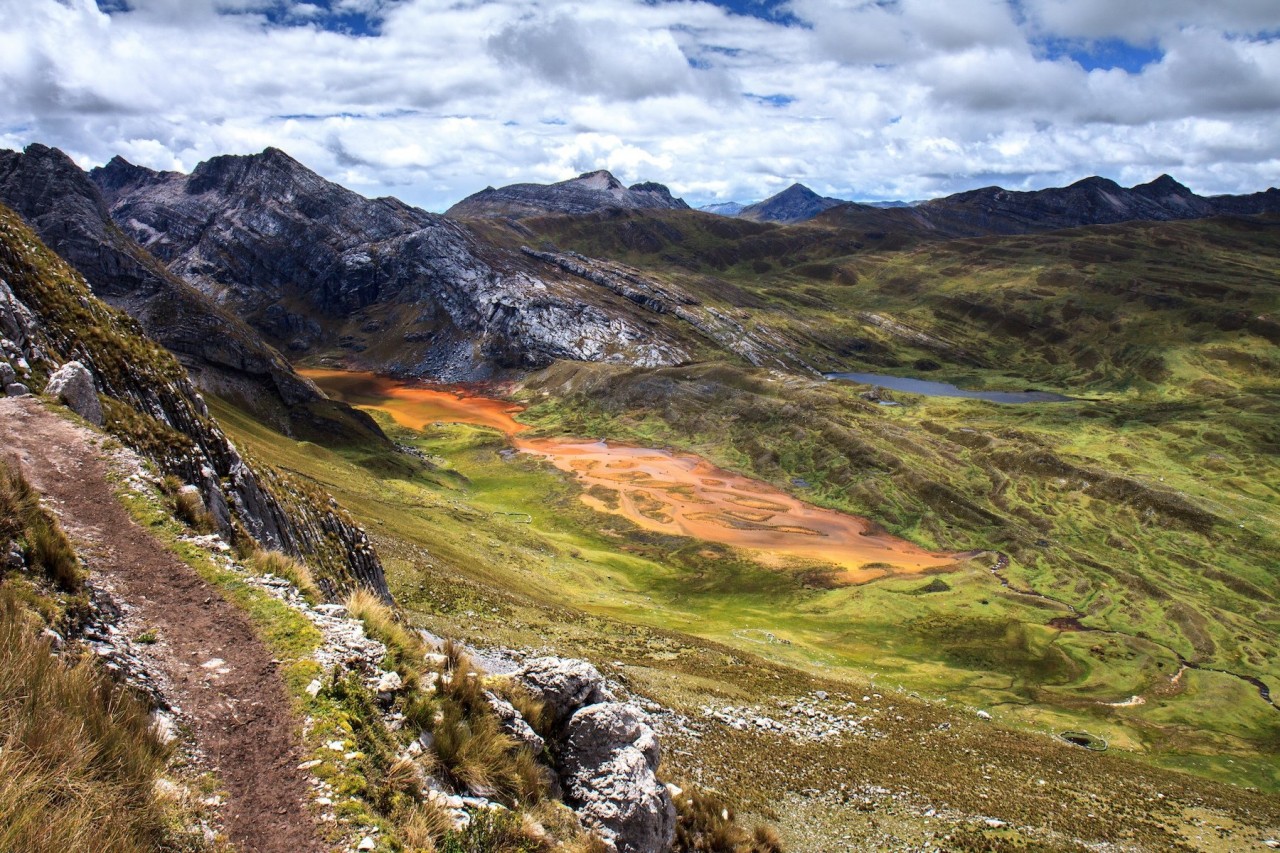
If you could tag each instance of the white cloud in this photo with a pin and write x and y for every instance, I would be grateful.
(893, 99)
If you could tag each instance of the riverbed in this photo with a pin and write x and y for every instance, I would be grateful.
(658, 490)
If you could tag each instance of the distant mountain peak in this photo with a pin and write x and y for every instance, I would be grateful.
(797, 203)
(797, 189)
(587, 193)
(1164, 185)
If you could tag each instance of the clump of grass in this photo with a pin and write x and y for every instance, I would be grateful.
(24, 521)
(405, 649)
(189, 507)
(533, 709)
(494, 830)
(79, 758)
(422, 824)
(706, 824)
(470, 743)
(294, 571)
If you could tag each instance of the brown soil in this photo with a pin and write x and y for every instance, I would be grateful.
(238, 711)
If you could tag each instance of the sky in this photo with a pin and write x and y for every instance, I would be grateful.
(432, 100)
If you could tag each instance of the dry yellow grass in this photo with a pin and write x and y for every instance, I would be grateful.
(79, 758)
(294, 571)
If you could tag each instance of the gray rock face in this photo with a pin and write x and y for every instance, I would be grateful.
(16, 389)
(73, 385)
(45, 310)
(314, 265)
(607, 764)
(587, 193)
(563, 685)
(606, 756)
(223, 355)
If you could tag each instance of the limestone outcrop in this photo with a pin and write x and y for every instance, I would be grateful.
(606, 756)
(73, 385)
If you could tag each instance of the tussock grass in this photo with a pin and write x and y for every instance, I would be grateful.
(470, 743)
(37, 533)
(294, 571)
(706, 824)
(79, 758)
(188, 506)
(405, 649)
(421, 825)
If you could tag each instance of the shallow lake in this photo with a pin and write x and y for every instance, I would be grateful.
(929, 388)
(661, 491)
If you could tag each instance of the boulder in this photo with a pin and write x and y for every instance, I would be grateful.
(7, 374)
(16, 389)
(563, 685)
(73, 385)
(608, 760)
(513, 723)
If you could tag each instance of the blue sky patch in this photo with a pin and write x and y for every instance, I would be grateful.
(1105, 54)
(774, 100)
(774, 11)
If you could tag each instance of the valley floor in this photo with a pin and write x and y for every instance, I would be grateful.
(835, 761)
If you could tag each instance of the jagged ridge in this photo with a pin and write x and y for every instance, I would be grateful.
(223, 355)
(317, 267)
(49, 316)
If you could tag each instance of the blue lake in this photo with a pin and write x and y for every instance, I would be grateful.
(945, 389)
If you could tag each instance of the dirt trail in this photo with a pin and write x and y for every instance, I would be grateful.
(237, 709)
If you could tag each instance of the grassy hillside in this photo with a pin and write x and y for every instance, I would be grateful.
(1107, 308)
(497, 549)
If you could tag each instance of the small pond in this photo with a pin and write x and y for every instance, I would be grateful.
(929, 388)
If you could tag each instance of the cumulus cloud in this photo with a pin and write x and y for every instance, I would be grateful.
(431, 100)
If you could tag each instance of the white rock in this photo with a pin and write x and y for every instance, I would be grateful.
(983, 715)
(313, 689)
(73, 385)
(367, 843)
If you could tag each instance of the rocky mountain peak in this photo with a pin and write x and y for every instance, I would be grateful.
(600, 180)
(796, 203)
(272, 170)
(1096, 182)
(588, 193)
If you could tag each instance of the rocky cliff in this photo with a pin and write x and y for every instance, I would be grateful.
(320, 269)
(222, 354)
(49, 317)
(587, 193)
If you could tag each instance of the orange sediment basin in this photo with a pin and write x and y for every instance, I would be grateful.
(415, 406)
(673, 493)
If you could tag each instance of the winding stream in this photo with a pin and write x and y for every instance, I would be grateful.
(657, 490)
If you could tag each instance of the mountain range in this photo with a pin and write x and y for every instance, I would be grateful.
(1090, 201)
(1102, 564)
(250, 256)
